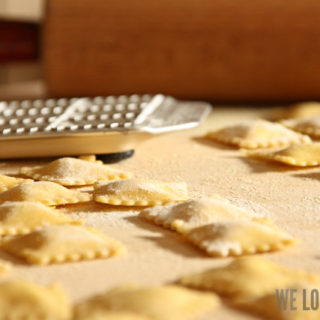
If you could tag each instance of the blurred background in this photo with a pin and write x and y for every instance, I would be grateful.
(217, 50)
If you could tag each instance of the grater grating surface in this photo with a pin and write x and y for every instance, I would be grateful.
(55, 127)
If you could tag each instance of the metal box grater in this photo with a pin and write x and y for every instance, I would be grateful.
(99, 125)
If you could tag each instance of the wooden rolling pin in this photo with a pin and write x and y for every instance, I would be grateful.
(221, 50)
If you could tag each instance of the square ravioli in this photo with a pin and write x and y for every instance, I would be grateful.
(7, 182)
(74, 172)
(304, 155)
(235, 238)
(195, 212)
(160, 303)
(48, 193)
(135, 192)
(248, 278)
(277, 305)
(21, 217)
(57, 244)
(20, 299)
(4, 267)
(115, 315)
(252, 134)
(309, 126)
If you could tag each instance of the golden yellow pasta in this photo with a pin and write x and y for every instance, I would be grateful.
(19, 217)
(20, 299)
(254, 134)
(74, 172)
(159, 303)
(235, 238)
(248, 278)
(57, 244)
(48, 193)
(309, 126)
(303, 155)
(277, 305)
(194, 213)
(4, 267)
(7, 182)
(135, 192)
(115, 315)
(302, 110)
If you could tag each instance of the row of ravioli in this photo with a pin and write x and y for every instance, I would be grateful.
(288, 141)
(213, 224)
(248, 284)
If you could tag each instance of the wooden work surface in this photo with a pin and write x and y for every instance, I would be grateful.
(158, 256)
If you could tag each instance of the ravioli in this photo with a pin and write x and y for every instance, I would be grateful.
(309, 126)
(276, 305)
(248, 278)
(7, 182)
(135, 192)
(74, 172)
(48, 193)
(20, 299)
(235, 238)
(303, 155)
(303, 110)
(22, 217)
(252, 134)
(116, 315)
(194, 213)
(57, 244)
(4, 267)
(159, 303)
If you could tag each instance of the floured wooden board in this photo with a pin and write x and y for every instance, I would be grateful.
(157, 256)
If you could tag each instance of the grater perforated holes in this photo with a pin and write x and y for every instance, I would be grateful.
(32, 111)
(20, 112)
(20, 130)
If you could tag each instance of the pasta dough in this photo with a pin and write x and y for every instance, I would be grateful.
(238, 238)
(56, 244)
(268, 305)
(248, 278)
(159, 303)
(4, 267)
(300, 155)
(134, 192)
(24, 216)
(7, 182)
(194, 213)
(20, 299)
(310, 126)
(254, 134)
(48, 193)
(74, 172)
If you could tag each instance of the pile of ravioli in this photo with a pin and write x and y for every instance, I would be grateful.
(34, 230)
(291, 141)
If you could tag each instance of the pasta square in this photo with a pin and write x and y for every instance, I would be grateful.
(248, 278)
(162, 303)
(7, 182)
(74, 172)
(22, 217)
(48, 193)
(309, 126)
(193, 213)
(303, 155)
(235, 238)
(134, 192)
(20, 299)
(252, 134)
(57, 244)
